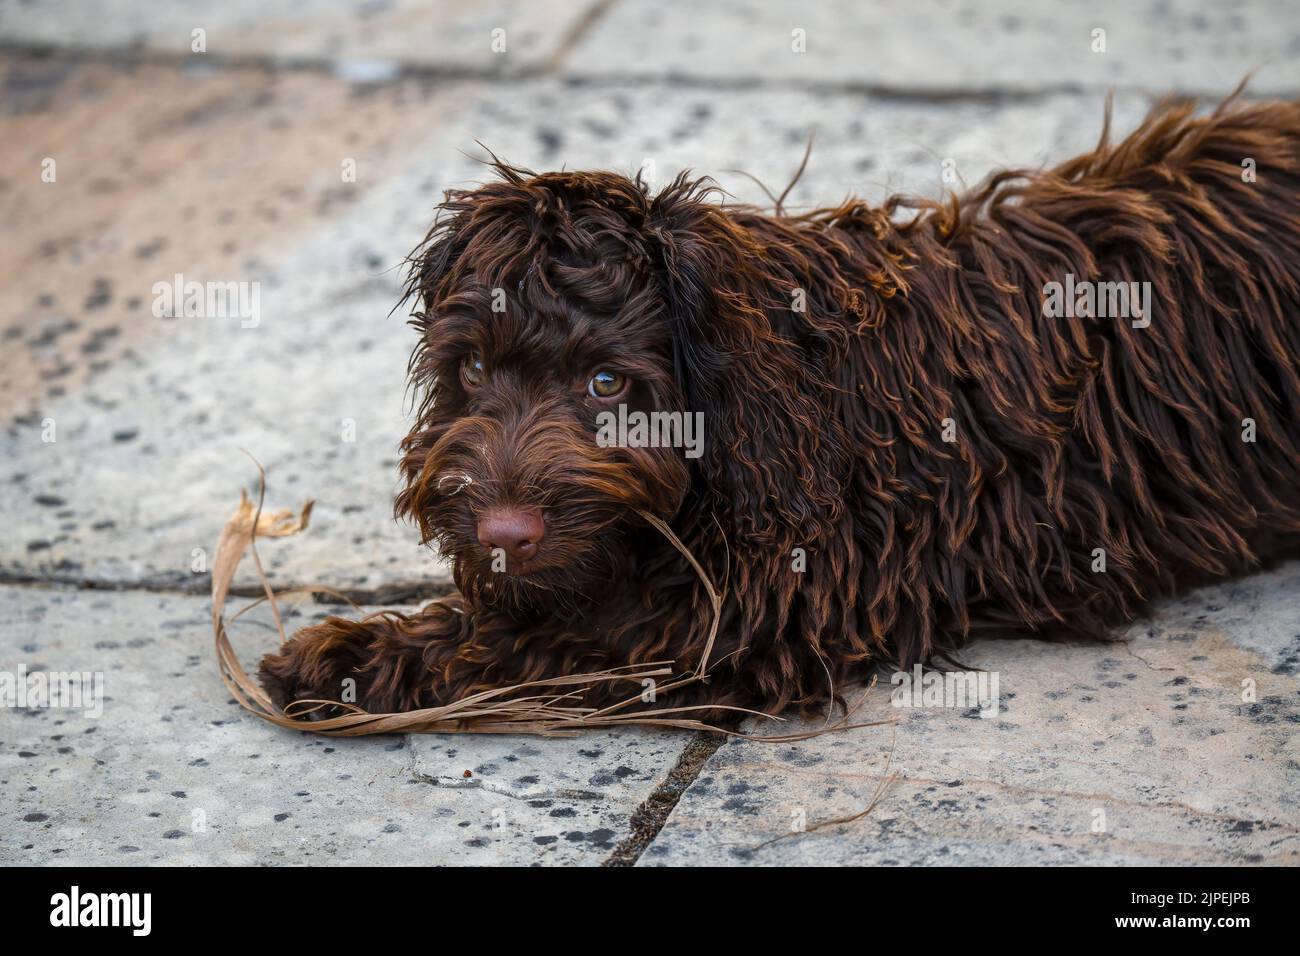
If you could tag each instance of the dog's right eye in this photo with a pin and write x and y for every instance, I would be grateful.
(471, 371)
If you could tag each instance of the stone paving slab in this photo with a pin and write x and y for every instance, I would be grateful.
(938, 47)
(174, 772)
(1152, 740)
(146, 464)
(596, 765)
(105, 190)
(364, 37)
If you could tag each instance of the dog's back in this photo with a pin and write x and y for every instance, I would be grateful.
(1070, 391)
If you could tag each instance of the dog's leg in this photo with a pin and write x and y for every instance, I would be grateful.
(385, 663)
(445, 653)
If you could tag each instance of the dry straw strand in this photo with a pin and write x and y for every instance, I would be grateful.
(547, 707)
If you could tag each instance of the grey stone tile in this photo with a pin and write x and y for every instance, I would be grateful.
(366, 38)
(173, 771)
(1146, 752)
(934, 47)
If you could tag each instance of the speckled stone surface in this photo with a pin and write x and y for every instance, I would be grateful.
(364, 37)
(932, 47)
(1145, 752)
(173, 771)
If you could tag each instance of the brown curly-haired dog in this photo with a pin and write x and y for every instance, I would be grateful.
(904, 443)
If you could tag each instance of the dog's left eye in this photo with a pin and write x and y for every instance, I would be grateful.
(606, 384)
(471, 371)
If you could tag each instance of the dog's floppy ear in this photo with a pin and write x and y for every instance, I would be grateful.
(430, 274)
(767, 461)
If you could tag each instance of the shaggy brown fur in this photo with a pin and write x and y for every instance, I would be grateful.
(825, 427)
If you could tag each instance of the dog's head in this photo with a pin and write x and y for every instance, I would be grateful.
(554, 311)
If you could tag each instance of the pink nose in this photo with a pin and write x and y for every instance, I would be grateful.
(515, 531)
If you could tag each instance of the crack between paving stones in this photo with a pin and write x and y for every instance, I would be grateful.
(551, 68)
(575, 34)
(399, 592)
(649, 818)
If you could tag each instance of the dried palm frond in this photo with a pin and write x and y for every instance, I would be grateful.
(548, 707)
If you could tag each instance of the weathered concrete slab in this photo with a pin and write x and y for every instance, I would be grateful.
(900, 45)
(364, 37)
(146, 461)
(591, 766)
(106, 190)
(1150, 752)
(1260, 613)
(934, 47)
(122, 476)
(174, 772)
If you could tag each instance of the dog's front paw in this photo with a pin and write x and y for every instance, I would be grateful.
(319, 663)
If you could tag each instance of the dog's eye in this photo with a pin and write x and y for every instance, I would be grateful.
(606, 384)
(471, 371)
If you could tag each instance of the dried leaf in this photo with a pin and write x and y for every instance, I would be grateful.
(555, 710)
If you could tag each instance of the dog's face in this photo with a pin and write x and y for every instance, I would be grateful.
(541, 311)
